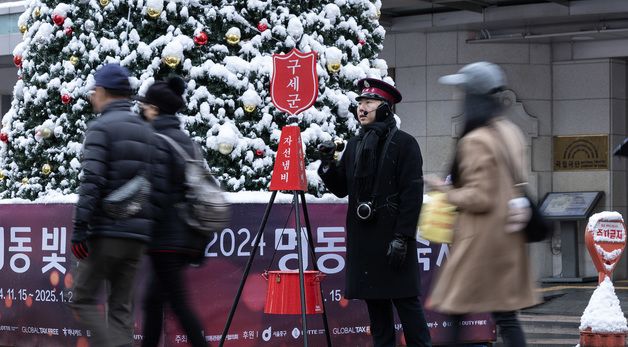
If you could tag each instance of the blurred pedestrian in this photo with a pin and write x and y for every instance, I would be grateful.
(488, 269)
(116, 149)
(174, 245)
(381, 171)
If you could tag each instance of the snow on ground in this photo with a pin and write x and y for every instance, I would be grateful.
(603, 314)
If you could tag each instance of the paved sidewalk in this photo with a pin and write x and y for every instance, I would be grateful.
(556, 321)
(571, 299)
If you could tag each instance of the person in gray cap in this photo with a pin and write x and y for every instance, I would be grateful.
(381, 172)
(117, 147)
(488, 269)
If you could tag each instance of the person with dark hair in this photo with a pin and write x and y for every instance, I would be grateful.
(174, 246)
(488, 269)
(117, 147)
(381, 172)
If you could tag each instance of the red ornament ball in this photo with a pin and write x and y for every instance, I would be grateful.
(65, 99)
(259, 152)
(361, 42)
(17, 60)
(200, 38)
(58, 19)
(4, 137)
(69, 31)
(261, 26)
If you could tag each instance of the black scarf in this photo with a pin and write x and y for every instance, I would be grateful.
(478, 112)
(371, 137)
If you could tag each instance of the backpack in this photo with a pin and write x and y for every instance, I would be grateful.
(204, 209)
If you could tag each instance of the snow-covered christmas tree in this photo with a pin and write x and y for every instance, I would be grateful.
(222, 48)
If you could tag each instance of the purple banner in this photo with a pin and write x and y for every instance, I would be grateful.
(36, 278)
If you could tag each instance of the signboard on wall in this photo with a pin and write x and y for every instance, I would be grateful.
(580, 153)
(37, 272)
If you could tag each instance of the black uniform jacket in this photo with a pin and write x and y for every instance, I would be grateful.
(398, 203)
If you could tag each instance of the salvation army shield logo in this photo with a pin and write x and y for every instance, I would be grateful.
(294, 84)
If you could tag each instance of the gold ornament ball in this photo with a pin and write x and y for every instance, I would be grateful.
(1, 175)
(233, 39)
(153, 12)
(225, 148)
(104, 3)
(74, 60)
(249, 108)
(36, 12)
(24, 180)
(333, 67)
(46, 133)
(46, 169)
(172, 61)
(23, 28)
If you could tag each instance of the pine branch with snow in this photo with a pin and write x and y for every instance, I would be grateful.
(222, 48)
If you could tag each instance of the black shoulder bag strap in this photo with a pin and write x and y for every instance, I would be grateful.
(199, 157)
(176, 147)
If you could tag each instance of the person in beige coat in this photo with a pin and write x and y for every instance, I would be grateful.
(488, 268)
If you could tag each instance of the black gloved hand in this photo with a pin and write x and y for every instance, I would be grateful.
(79, 241)
(327, 150)
(340, 145)
(397, 250)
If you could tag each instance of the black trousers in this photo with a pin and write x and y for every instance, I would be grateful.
(507, 322)
(112, 264)
(167, 285)
(411, 316)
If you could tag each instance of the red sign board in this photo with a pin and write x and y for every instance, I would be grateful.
(606, 240)
(294, 85)
(289, 170)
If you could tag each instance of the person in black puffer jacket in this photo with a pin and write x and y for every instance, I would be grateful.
(117, 147)
(174, 245)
